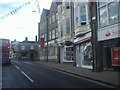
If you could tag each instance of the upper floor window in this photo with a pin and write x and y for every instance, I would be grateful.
(108, 13)
(67, 25)
(50, 35)
(22, 47)
(56, 32)
(53, 18)
(31, 47)
(56, 18)
(53, 33)
(103, 16)
(67, 6)
(113, 12)
(76, 21)
(50, 20)
(83, 14)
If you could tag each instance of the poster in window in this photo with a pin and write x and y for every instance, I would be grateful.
(115, 56)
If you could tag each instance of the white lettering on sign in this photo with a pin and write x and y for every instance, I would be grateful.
(109, 32)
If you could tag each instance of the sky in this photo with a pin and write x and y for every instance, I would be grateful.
(24, 22)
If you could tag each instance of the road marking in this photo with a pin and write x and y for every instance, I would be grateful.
(100, 83)
(27, 76)
(17, 67)
(23, 73)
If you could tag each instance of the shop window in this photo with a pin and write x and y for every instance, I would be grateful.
(87, 54)
(69, 53)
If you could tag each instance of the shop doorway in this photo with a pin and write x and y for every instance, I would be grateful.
(107, 60)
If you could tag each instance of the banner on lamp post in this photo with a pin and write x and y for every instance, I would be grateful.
(42, 42)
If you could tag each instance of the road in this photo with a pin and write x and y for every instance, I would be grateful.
(23, 74)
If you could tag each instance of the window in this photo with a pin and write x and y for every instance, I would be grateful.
(76, 16)
(53, 33)
(50, 20)
(56, 16)
(67, 25)
(56, 32)
(113, 12)
(22, 47)
(83, 14)
(101, 3)
(67, 6)
(50, 33)
(103, 16)
(45, 37)
(108, 13)
(61, 29)
(53, 18)
(31, 47)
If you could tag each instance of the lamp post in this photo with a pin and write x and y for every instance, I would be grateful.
(93, 7)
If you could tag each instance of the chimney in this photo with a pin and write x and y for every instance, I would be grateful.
(35, 38)
(26, 38)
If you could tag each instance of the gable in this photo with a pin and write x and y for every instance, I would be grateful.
(53, 8)
(43, 16)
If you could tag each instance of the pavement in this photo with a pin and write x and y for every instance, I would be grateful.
(108, 77)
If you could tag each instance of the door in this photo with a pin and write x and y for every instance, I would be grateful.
(31, 56)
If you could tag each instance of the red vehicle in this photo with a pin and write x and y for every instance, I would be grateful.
(5, 51)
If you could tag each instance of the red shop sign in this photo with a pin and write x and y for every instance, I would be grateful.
(115, 56)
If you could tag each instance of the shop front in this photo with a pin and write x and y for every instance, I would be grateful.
(84, 51)
(66, 52)
(109, 43)
(110, 54)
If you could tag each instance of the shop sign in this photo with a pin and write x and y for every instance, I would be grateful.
(115, 56)
(108, 34)
(42, 42)
(82, 39)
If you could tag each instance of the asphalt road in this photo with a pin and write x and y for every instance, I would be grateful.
(23, 74)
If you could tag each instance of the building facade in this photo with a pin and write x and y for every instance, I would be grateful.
(65, 37)
(26, 50)
(82, 38)
(53, 32)
(109, 34)
(43, 35)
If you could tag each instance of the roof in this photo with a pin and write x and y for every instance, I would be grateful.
(46, 11)
(29, 42)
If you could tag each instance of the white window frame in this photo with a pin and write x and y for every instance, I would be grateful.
(108, 16)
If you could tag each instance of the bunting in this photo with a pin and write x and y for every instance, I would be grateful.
(17, 9)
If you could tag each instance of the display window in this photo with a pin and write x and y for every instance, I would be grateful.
(115, 53)
(87, 54)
